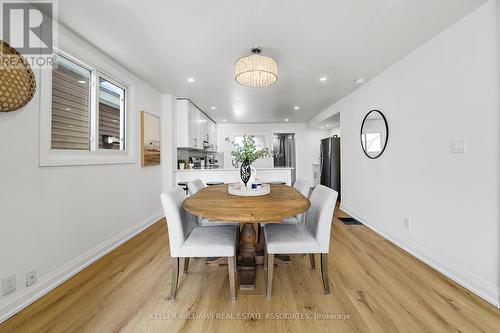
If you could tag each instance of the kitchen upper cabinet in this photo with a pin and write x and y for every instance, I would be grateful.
(193, 135)
(183, 123)
(193, 126)
(212, 133)
(203, 127)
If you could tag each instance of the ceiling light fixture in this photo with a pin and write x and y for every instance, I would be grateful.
(323, 79)
(213, 108)
(286, 120)
(327, 125)
(296, 108)
(256, 70)
(190, 79)
(322, 127)
(223, 120)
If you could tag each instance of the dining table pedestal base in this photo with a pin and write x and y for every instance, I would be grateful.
(248, 251)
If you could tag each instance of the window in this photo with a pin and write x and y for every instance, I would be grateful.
(111, 108)
(70, 106)
(82, 111)
(260, 140)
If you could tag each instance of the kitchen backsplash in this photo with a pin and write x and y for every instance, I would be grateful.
(185, 154)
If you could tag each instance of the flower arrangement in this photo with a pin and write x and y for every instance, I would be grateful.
(248, 152)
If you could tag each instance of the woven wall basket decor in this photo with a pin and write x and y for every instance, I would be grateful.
(17, 80)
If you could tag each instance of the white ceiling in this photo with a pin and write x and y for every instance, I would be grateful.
(329, 123)
(165, 42)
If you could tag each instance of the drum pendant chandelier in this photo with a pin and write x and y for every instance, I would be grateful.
(256, 70)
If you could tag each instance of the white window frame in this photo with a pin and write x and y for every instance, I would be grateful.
(123, 111)
(66, 157)
(264, 136)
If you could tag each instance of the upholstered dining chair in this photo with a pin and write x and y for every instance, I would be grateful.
(187, 240)
(194, 187)
(310, 237)
(303, 186)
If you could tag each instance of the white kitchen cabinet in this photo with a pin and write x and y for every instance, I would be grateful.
(193, 127)
(212, 133)
(203, 128)
(183, 124)
(194, 132)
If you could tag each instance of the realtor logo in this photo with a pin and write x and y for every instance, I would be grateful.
(28, 26)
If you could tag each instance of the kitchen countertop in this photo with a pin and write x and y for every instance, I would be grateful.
(230, 169)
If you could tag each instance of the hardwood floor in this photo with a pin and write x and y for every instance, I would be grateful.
(375, 287)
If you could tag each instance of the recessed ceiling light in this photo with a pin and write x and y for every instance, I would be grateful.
(327, 125)
(223, 120)
(213, 108)
(296, 108)
(323, 78)
(322, 127)
(359, 81)
(67, 109)
(82, 81)
(190, 79)
(286, 120)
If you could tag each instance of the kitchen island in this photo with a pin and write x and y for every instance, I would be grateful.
(232, 175)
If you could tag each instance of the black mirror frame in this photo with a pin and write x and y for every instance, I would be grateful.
(386, 138)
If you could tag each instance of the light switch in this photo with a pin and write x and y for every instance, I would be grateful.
(458, 146)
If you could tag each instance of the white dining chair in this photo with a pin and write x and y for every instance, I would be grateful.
(194, 186)
(187, 240)
(310, 237)
(304, 187)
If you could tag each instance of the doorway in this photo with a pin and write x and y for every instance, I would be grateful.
(284, 145)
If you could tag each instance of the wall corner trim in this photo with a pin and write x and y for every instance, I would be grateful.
(66, 271)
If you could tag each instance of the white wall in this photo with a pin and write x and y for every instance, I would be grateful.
(307, 143)
(335, 131)
(446, 89)
(57, 219)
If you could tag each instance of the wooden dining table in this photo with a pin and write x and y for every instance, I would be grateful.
(216, 204)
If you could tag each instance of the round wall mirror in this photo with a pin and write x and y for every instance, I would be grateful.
(374, 134)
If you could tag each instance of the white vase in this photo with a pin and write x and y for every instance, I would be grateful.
(253, 176)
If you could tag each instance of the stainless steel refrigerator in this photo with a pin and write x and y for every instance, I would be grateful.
(330, 163)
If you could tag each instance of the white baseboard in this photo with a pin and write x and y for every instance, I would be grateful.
(462, 276)
(19, 301)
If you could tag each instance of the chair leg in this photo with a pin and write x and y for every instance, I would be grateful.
(238, 240)
(313, 260)
(232, 280)
(265, 259)
(175, 278)
(324, 273)
(270, 270)
(186, 265)
(260, 239)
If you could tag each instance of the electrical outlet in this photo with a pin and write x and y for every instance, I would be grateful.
(8, 284)
(30, 277)
(407, 223)
(458, 146)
